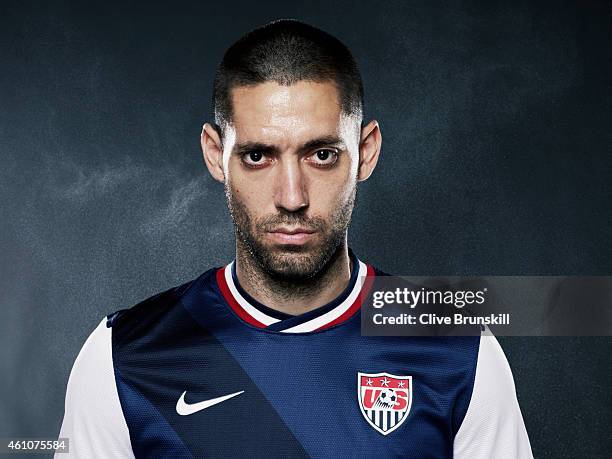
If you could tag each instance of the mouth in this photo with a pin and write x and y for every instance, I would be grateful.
(293, 236)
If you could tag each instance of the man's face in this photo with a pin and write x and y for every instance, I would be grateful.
(290, 159)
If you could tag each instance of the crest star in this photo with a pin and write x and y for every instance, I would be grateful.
(369, 382)
(384, 382)
(401, 384)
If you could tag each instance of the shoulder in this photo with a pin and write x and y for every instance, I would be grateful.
(493, 424)
(93, 419)
(493, 372)
(93, 360)
(493, 388)
(148, 306)
(137, 322)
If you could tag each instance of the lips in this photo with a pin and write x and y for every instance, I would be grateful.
(291, 235)
(292, 231)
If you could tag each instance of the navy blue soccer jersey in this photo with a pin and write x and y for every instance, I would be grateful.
(204, 370)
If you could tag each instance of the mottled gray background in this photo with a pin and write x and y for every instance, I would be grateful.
(496, 160)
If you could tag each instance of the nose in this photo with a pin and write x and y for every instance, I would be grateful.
(290, 188)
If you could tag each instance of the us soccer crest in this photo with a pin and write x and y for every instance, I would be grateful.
(384, 399)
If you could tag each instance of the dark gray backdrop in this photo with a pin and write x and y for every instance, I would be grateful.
(496, 160)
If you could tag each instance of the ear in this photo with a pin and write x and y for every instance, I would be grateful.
(369, 149)
(212, 150)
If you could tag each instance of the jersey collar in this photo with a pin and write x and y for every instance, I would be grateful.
(258, 315)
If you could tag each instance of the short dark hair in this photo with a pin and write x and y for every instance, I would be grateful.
(287, 51)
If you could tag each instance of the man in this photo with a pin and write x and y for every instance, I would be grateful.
(264, 357)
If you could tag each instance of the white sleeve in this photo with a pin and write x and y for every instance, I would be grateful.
(93, 418)
(493, 425)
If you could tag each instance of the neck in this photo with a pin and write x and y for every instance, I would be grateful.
(297, 296)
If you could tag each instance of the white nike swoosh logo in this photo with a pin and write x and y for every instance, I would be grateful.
(185, 409)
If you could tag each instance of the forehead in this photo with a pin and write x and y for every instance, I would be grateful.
(286, 115)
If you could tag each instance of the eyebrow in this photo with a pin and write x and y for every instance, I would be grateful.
(325, 141)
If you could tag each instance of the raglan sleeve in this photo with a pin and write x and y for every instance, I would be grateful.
(93, 419)
(493, 426)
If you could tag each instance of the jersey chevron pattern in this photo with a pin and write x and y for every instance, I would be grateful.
(204, 370)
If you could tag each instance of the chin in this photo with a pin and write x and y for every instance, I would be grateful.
(293, 263)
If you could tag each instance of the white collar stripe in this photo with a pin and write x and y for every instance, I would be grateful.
(244, 304)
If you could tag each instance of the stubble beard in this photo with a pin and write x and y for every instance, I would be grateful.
(291, 264)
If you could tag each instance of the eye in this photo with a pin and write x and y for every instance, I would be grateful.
(325, 157)
(255, 159)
